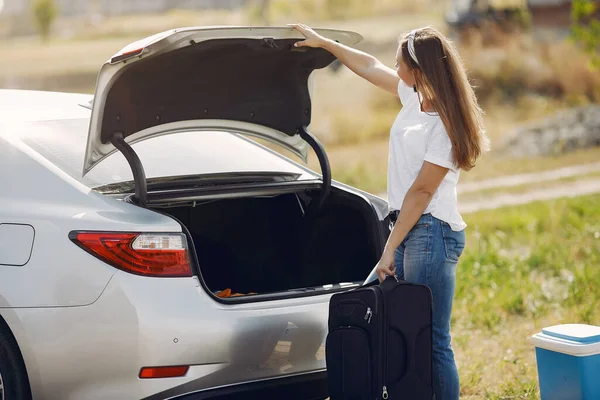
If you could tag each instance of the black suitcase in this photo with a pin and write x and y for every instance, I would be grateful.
(379, 344)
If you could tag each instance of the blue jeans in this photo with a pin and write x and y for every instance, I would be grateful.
(429, 255)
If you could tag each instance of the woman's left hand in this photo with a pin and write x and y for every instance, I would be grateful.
(385, 267)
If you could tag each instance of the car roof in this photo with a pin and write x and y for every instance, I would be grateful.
(35, 105)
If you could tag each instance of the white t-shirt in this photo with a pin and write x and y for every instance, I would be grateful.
(415, 137)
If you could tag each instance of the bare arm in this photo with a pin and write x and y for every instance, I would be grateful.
(361, 63)
(415, 202)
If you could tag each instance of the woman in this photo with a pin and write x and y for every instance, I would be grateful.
(438, 132)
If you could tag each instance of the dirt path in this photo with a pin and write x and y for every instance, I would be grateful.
(572, 189)
(580, 187)
(523, 179)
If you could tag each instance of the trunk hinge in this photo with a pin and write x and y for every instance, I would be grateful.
(139, 176)
(323, 162)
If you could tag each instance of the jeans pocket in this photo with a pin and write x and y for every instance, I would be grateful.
(417, 245)
(454, 242)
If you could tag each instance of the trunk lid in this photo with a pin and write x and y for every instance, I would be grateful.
(210, 77)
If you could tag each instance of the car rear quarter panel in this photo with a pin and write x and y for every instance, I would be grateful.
(96, 351)
(59, 273)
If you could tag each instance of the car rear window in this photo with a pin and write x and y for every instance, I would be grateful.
(63, 143)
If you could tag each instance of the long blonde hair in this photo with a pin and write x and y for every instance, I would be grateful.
(442, 79)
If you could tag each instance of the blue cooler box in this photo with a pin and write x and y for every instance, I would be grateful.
(568, 362)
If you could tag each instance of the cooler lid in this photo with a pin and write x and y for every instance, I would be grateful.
(579, 333)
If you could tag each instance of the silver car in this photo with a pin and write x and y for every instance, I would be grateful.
(153, 247)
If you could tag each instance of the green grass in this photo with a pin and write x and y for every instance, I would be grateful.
(547, 249)
(523, 268)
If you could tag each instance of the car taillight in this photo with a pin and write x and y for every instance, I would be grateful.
(148, 254)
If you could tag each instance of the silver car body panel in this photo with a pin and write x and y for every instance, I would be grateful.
(96, 351)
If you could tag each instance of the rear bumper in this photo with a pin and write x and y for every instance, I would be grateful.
(312, 386)
(97, 351)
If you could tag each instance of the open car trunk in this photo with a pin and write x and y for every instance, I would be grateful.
(280, 245)
(247, 81)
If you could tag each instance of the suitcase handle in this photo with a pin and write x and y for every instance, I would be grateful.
(392, 280)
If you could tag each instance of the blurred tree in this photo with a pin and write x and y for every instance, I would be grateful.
(586, 27)
(44, 12)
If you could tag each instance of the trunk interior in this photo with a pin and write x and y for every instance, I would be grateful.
(275, 244)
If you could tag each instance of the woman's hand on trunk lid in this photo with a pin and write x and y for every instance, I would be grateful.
(313, 39)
